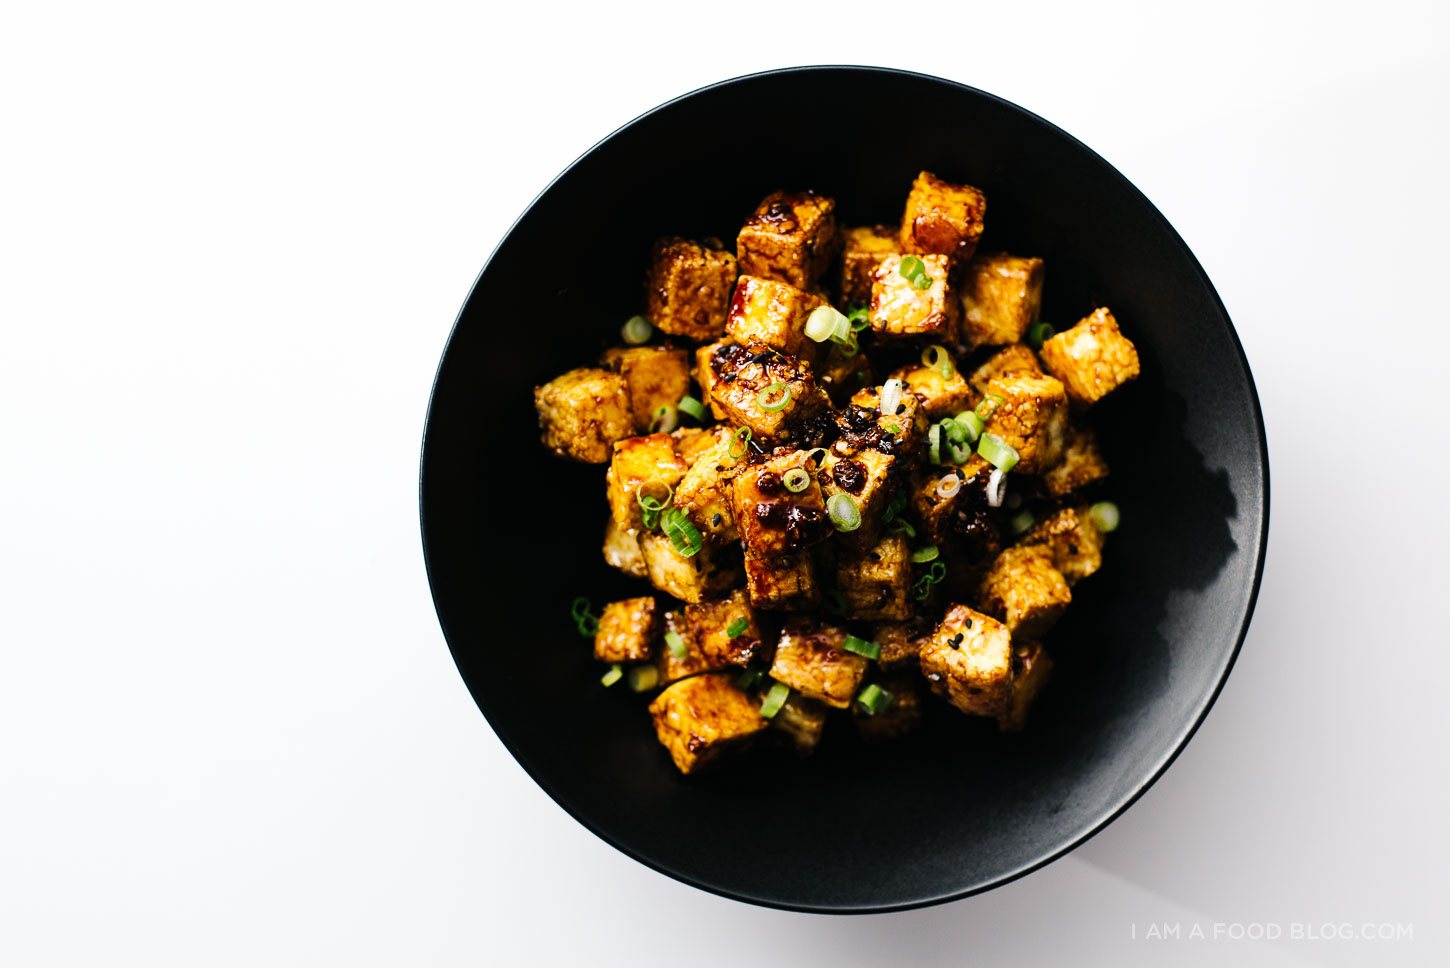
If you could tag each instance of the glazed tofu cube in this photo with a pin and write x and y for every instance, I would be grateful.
(1032, 417)
(772, 519)
(968, 660)
(773, 313)
(1081, 463)
(1008, 361)
(703, 720)
(710, 624)
(841, 375)
(687, 289)
(801, 722)
(657, 377)
(583, 413)
(621, 550)
(1001, 296)
(942, 218)
(649, 461)
(1031, 666)
(940, 395)
(901, 434)
(1092, 359)
(876, 582)
(867, 476)
(710, 572)
(901, 717)
(900, 643)
(742, 374)
(811, 659)
(899, 310)
(705, 376)
(691, 443)
(791, 236)
(951, 512)
(1025, 590)
(1074, 541)
(691, 661)
(627, 631)
(704, 494)
(863, 249)
(784, 584)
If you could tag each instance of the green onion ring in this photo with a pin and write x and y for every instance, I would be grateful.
(998, 452)
(874, 699)
(676, 644)
(637, 330)
(780, 404)
(774, 699)
(933, 437)
(971, 424)
(615, 673)
(1039, 333)
(741, 437)
(796, 480)
(928, 553)
(1105, 516)
(666, 418)
(643, 678)
(861, 647)
(812, 459)
(845, 513)
(692, 407)
(989, 406)
(737, 628)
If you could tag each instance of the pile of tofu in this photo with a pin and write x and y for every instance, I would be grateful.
(776, 585)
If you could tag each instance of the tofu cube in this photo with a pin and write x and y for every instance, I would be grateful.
(657, 377)
(691, 443)
(1008, 361)
(950, 516)
(1031, 666)
(876, 582)
(627, 631)
(863, 249)
(811, 659)
(773, 520)
(1001, 296)
(621, 550)
(710, 624)
(867, 476)
(1080, 464)
(688, 286)
(705, 376)
(705, 719)
(1092, 359)
(651, 461)
(1024, 590)
(841, 375)
(801, 722)
(900, 643)
(710, 572)
(692, 662)
(1032, 417)
(784, 584)
(942, 218)
(968, 660)
(900, 718)
(791, 236)
(899, 310)
(704, 494)
(583, 413)
(940, 396)
(774, 313)
(740, 374)
(1074, 541)
(901, 434)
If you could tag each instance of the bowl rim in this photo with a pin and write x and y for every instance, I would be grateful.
(1109, 815)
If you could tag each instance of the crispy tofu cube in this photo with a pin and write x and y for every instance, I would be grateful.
(583, 413)
(900, 718)
(877, 581)
(621, 550)
(863, 249)
(704, 494)
(650, 460)
(791, 236)
(705, 376)
(968, 660)
(1075, 542)
(691, 443)
(1092, 359)
(899, 310)
(627, 631)
(1001, 296)
(1008, 361)
(772, 519)
(867, 476)
(687, 289)
(812, 659)
(741, 374)
(691, 662)
(710, 624)
(951, 515)
(703, 720)
(773, 313)
(942, 218)
(1080, 464)
(1031, 666)
(841, 375)
(657, 376)
(784, 584)
(941, 396)
(900, 643)
(1032, 417)
(1025, 590)
(710, 572)
(901, 434)
(801, 722)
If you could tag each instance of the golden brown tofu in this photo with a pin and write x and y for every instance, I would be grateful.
(841, 375)
(687, 289)
(651, 462)
(1075, 542)
(1092, 359)
(773, 313)
(1080, 464)
(627, 631)
(866, 476)
(621, 550)
(691, 661)
(940, 395)
(900, 310)
(900, 643)
(749, 381)
(864, 248)
(705, 376)
(791, 236)
(703, 720)
(968, 660)
(1008, 361)
(583, 413)
(942, 218)
(773, 520)
(801, 722)
(711, 624)
(901, 717)
(877, 581)
(658, 376)
(691, 443)
(710, 572)
(1024, 590)
(811, 659)
(1031, 666)
(784, 584)
(901, 434)
(704, 493)
(1032, 417)
(1001, 296)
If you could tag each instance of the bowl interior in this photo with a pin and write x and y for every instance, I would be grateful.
(512, 536)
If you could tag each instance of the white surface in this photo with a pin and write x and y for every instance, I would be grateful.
(232, 243)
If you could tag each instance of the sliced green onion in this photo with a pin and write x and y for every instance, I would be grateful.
(615, 673)
(584, 618)
(742, 437)
(796, 480)
(648, 501)
(911, 269)
(692, 407)
(922, 281)
(903, 527)
(1021, 521)
(848, 348)
(643, 678)
(893, 507)
(934, 576)
(825, 323)
(971, 425)
(928, 553)
(1039, 333)
(892, 428)
(989, 406)
(748, 678)
(844, 511)
(874, 699)
(997, 452)
(954, 431)
(676, 643)
(812, 459)
(937, 357)
(861, 647)
(666, 418)
(933, 438)
(580, 608)
(769, 391)
(637, 330)
(682, 534)
(960, 453)
(892, 392)
(860, 318)
(737, 628)
(774, 699)
(651, 518)
(938, 571)
(1105, 516)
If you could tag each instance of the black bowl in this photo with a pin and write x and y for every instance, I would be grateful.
(511, 536)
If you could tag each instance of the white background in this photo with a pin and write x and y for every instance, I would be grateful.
(232, 242)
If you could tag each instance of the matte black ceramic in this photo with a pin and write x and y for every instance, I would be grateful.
(511, 535)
